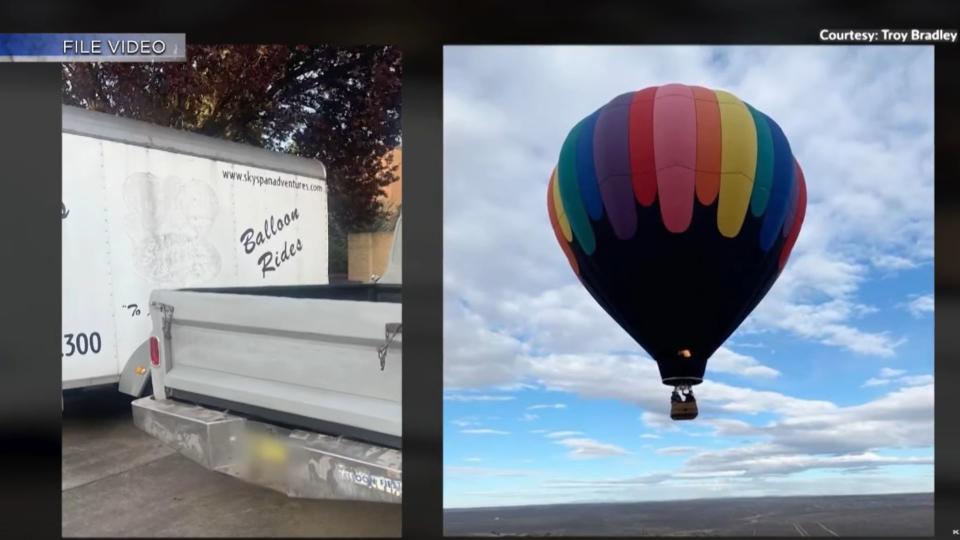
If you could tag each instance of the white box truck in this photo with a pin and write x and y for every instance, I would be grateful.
(148, 207)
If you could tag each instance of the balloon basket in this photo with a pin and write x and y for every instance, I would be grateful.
(683, 406)
(683, 410)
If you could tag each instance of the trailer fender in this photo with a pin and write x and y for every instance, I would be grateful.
(136, 372)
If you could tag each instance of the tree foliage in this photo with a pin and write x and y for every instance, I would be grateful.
(338, 105)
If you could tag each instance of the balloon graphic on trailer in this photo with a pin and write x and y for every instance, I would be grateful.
(677, 207)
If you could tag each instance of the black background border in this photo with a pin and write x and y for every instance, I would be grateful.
(30, 165)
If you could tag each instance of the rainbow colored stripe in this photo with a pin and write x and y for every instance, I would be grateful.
(675, 146)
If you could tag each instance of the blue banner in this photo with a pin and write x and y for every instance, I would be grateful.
(93, 47)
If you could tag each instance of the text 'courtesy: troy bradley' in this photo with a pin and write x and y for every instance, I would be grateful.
(884, 35)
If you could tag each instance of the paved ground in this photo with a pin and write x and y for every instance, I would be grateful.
(118, 481)
(901, 515)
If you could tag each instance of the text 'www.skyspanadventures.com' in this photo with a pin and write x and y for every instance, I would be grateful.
(278, 181)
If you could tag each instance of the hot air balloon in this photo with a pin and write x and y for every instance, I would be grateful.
(677, 208)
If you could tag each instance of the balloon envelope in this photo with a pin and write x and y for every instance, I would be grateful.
(677, 207)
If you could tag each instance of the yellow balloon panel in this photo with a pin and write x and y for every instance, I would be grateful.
(558, 206)
(738, 162)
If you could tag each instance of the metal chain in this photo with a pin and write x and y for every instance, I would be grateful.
(382, 350)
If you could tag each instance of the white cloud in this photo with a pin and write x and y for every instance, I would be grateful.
(890, 376)
(917, 380)
(658, 420)
(920, 305)
(729, 427)
(475, 472)
(900, 419)
(548, 406)
(477, 397)
(527, 417)
(650, 436)
(825, 323)
(588, 448)
(635, 379)
(475, 355)
(818, 437)
(563, 434)
(473, 459)
(727, 361)
(818, 425)
(891, 372)
(891, 262)
(676, 450)
(757, 461)
(483, 431)
(738, 399)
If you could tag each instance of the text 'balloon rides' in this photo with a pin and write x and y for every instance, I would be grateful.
(677, 207)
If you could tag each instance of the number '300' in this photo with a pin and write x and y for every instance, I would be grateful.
(82, 343)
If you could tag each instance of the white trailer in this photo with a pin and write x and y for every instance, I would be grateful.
(147, 207)
(296, 388)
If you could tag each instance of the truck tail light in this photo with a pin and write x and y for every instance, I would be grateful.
(154, 351)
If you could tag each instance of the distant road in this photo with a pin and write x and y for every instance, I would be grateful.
(828, 529)
(908, 514)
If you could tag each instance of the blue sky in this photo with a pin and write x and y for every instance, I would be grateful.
(827, 388)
